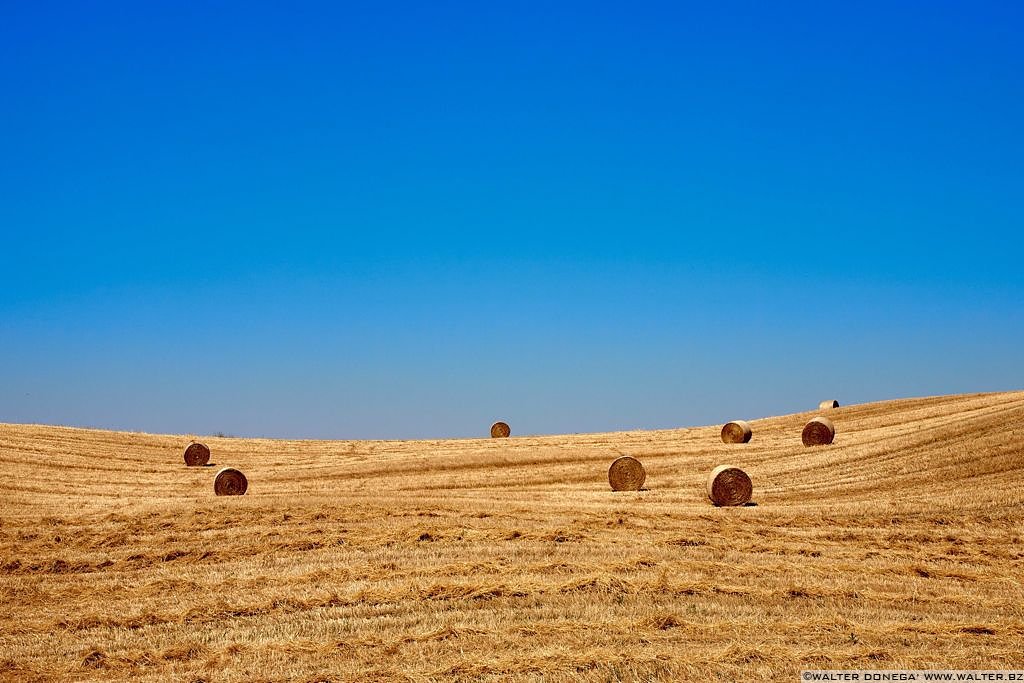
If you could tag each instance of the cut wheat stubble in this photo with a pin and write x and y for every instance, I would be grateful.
(728, 485)
(737, 431)
(230, 482)
(197, 454)
(626, 474)
(349, 559)
(818, 432)
(500, 430)
(828, 405)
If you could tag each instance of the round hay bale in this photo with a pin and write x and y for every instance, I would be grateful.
(729, 485)
(819, 432)
(626, 474)
(828, 405)
(737, 431)
(230, 482)
(500, 430)
(197, 454)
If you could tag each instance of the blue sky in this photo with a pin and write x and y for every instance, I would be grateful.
(408, 220)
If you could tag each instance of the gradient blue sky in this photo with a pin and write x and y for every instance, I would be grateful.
(385, 220)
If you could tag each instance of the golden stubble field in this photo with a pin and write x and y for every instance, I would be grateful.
(900, 546)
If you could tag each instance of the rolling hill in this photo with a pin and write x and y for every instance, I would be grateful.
(899, 546)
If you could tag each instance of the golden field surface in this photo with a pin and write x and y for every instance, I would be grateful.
(899, 546)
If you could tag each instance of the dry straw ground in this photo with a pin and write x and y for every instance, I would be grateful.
(900, 546)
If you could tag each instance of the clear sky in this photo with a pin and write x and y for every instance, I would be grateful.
(382, 220)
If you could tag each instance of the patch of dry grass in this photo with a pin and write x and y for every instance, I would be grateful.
(899, 546)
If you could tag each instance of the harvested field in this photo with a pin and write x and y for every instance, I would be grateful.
(899, 546)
